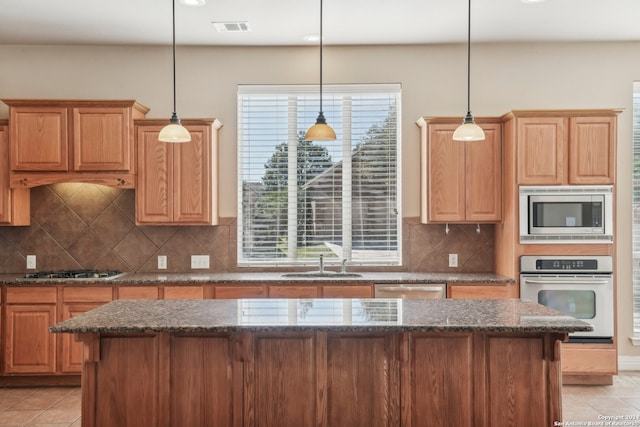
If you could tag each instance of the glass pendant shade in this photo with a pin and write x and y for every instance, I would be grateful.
(468, 130)
(321, 131)
(174, 131)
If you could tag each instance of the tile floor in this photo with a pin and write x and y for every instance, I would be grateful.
(60, 406)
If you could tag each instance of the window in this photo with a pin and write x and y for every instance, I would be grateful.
(636, 213)
(299, 199)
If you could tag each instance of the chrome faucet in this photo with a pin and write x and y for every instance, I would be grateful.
(321, 263)
(344, 266)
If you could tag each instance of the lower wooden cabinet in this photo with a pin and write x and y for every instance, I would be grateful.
(293, 291)
(480, 290)
(29, 347)
(240, 291)
(183, 292)
(347, 291)
(137, 292)
(77, 300)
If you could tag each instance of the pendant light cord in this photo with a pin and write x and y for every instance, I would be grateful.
(469, 59)
(173, 14)
(320, 56)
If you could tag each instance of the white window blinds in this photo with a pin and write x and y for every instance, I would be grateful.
(636, 212)
(299, 199)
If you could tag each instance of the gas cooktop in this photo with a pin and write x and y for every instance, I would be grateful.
(74, 274)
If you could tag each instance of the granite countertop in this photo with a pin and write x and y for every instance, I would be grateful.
(339, 315)
(222, 278)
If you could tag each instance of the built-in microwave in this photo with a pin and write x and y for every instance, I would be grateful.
(566, 214)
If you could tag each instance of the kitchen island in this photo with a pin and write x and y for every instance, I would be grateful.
(321, 362)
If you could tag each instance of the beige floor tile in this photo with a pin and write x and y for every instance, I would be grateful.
(58, 416)
(10, 417)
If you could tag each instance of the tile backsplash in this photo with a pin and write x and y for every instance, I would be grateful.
(77, 225)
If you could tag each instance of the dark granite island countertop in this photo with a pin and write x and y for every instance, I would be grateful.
(347, 315)
(321, 362)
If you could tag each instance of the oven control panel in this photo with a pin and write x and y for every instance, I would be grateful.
(566, 264)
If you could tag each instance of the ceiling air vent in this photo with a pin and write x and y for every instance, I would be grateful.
(232, 27)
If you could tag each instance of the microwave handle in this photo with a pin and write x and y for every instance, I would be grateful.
(564, 282)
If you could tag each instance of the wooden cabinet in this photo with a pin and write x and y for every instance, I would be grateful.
(461, 181)
(481, 290)
(77, 300)
(54, 140)
(14, 204)
(137, 292)
(347, 291)
(177, 183)
(557, 148)
(240, 291)
(293, 291)
(183, 292)
(29, 347)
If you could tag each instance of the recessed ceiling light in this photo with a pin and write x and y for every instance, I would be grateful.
(193, 3)
(232, 26)
(532, 1)
(312, 38)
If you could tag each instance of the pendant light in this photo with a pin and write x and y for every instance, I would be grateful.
(321, 131)
(468, 130)
(174, 131)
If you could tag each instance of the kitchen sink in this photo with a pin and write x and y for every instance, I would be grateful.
(314, 274)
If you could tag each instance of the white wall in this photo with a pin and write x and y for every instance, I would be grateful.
(433, 77)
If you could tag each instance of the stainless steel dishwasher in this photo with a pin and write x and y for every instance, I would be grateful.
(411, 291)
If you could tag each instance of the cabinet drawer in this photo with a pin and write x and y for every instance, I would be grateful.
(138, 292)
(302, 291)
(588, 359)
(233, 292)
(87, 294)
(346, 291)
(500, 291)
(183, 292)
(31, 295)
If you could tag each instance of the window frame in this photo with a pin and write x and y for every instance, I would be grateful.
(311, 91)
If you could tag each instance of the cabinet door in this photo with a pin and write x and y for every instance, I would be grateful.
(541, 150)
(14, 204)
(592, 150)
(39, 138)
(77, 300)
(445, 175)
(155, 169)
(102, 139)
(29, 347)
(483, 176)
(192, 179)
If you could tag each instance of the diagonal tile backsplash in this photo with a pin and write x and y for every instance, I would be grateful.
(75, 225)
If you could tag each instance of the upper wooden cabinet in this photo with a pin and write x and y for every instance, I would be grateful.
(565, 147)
(177, 183)
(14, 204)
(461, 181)
(53, 140)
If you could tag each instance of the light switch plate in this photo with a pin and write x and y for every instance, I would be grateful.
(31, 262)
(199, 261)
(453, 260)
(162, 262)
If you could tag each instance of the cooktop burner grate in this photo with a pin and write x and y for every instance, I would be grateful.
(72, 274)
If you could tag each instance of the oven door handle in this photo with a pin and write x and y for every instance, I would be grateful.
(565, 282)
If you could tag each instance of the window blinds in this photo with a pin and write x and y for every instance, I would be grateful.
(299, 199)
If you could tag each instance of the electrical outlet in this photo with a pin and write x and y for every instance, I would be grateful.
(31, 262)
(453, 260)
(162, 262)
(199, 261)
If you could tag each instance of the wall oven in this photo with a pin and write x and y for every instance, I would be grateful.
(566, 214)
(580, 286)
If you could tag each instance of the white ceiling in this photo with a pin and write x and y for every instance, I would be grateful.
(286, 22)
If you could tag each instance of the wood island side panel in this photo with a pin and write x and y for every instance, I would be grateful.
(322, 379)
